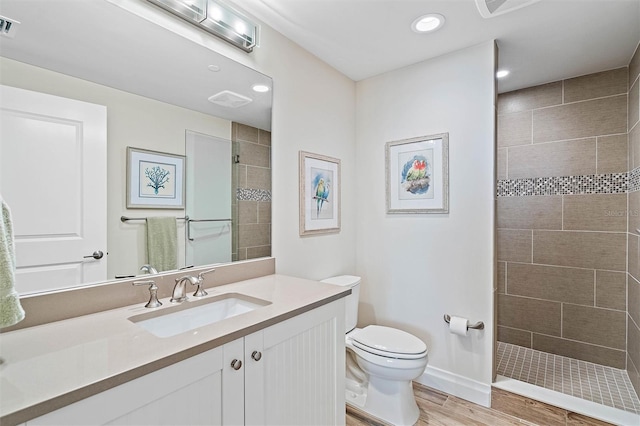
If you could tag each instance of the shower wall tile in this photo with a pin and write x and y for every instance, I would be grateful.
(247, 212)
(634, 375)
(567, 158)
(264, 137)
(611, 290)
(633, 263)
(583, 351)
(258, 178)
(612, 154)
(255, 252)
(264, 212)
(553, 283)
(514, 336)
(253, 154)
(634, 300)
(530, 98)
(604, 327)
(514, 129)
(242, 132)
(634, 342)
(634, 67)
(501, 163)
(252, 235)
(514, 245)
(596, 117)
(634, 104)
(242, 175)
(595, 212)
(598, 85)
(541, 212)
(501, 276)
(634, 147)
(596, 250)
(538, 316)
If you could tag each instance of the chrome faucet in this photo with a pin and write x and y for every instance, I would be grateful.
(148, 269)
(180, 289)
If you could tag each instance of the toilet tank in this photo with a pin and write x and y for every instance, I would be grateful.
(351, 310)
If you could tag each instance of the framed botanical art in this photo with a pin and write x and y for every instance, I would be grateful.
(319, 194)
(155, 180)
(417, 175)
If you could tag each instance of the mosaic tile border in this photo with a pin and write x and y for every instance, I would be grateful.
(592, 382)
(610, 183)
(250, 194)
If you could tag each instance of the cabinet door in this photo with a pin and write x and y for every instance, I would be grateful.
(189, 392)
(304, 368)
(233, 383)
(255, 390)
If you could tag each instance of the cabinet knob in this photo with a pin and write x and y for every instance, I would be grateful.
(257, 356)
(236, 364)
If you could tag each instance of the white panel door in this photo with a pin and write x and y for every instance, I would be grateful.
(53, 177)
(208, 199)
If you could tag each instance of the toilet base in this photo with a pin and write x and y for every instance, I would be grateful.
(391, 401)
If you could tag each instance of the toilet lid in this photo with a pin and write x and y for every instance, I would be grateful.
(390, 342)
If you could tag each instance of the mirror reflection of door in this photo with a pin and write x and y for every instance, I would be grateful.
(208, 193)
(53, 176)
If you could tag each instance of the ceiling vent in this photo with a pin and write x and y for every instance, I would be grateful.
(491, 8)
(229, 99)
(8, 27)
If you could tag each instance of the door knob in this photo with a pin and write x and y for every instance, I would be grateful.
(96, 255)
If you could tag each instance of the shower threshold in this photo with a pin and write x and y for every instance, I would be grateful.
(585, 380)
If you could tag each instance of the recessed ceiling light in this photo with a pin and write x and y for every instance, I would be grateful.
(261, 88)
(428, 23)
(502, 73)
(214, 68)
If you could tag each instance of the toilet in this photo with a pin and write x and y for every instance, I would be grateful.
(381, 364)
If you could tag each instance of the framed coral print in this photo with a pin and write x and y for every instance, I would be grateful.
(155, 180)
(319, 194)
(417, 178)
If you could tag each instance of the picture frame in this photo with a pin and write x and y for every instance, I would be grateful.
(319, 182)
(155, 180)
(417, 175)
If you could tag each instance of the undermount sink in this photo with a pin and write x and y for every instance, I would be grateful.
(192, 315)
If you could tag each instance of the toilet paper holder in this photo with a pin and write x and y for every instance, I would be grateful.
(477, 326)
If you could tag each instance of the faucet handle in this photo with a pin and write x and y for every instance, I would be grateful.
(200, 292)
(153, 293)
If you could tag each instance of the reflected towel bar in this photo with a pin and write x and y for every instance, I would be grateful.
(477, 326)
(201, 220)
(126, 219)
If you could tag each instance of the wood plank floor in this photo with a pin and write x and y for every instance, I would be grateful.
(440, 409)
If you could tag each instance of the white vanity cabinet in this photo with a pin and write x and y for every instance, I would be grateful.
(290, 373)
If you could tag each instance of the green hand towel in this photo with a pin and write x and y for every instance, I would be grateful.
(162, 243)
(11, 311)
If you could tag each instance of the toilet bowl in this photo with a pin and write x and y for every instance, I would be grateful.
(382, 364)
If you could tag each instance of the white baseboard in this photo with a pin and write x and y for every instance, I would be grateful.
(459, 386)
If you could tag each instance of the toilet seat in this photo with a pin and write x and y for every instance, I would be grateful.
(389, 343)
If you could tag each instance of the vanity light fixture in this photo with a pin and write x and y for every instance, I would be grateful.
(502, 73)
(260, 88)
(216, 18)
(428, 23)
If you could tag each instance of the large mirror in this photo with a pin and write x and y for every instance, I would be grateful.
(154, 87)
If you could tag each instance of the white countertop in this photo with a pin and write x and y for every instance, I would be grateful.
(52, 365)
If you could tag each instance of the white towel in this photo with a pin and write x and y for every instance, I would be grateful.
(11, 311)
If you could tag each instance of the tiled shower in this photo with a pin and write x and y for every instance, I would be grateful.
(568, 219)
(251, 197)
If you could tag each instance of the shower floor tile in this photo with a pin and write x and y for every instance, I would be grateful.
(593, 382)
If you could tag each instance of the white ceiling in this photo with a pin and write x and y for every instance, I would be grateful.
(542, 42)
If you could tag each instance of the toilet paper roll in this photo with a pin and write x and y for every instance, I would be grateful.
(459, 326)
